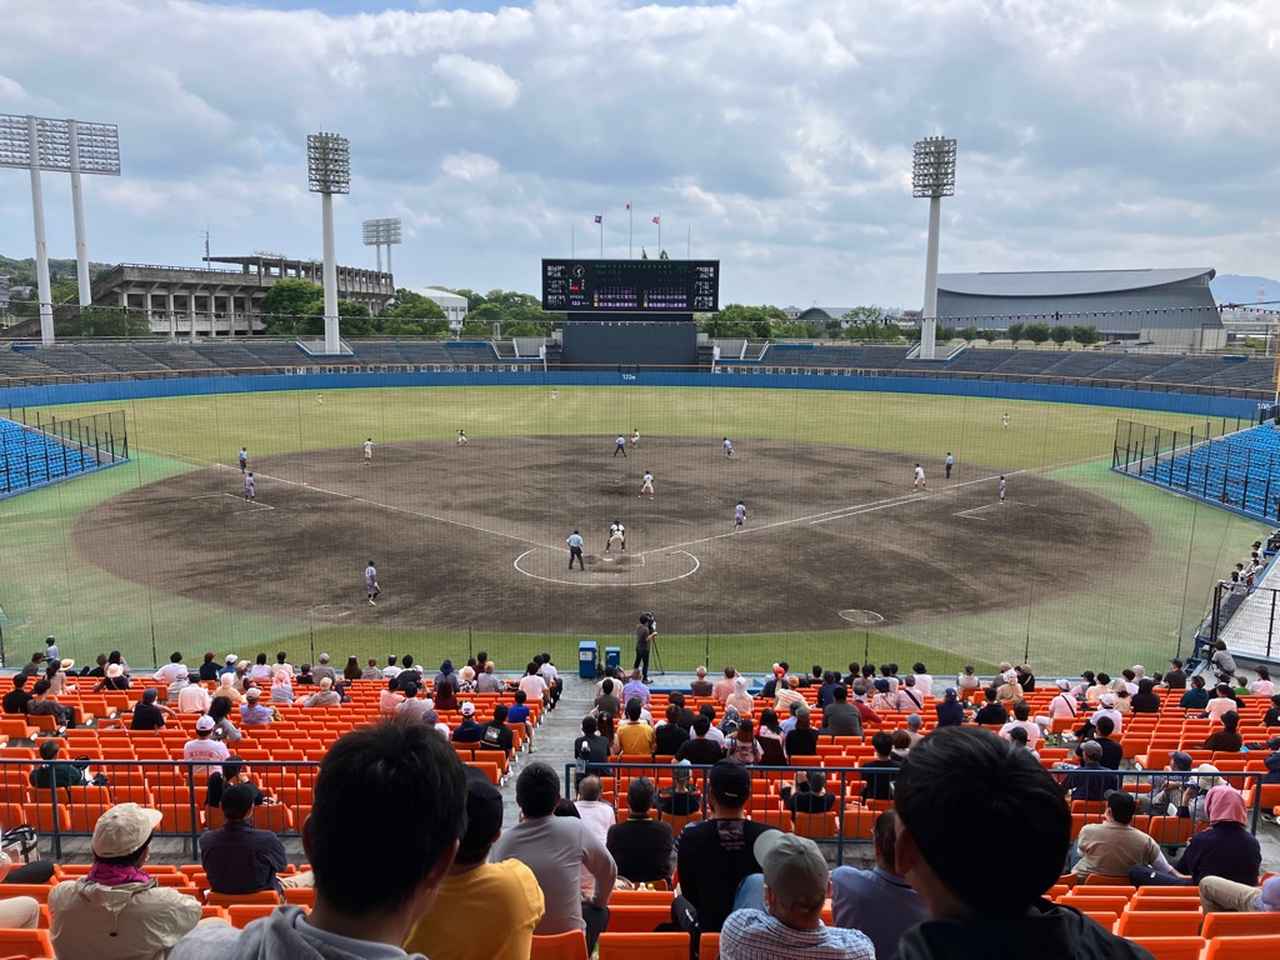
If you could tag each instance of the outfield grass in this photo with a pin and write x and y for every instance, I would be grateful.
(1152, 598)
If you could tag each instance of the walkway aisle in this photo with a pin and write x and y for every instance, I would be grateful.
(553, 740)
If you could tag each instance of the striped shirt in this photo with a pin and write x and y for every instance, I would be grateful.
(755, 935)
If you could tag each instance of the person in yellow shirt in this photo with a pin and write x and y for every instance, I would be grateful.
(634, 735)
(483, 909)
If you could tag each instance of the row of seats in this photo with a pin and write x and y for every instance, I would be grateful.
(29, 458)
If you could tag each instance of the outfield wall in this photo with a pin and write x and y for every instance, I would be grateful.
(822, 379)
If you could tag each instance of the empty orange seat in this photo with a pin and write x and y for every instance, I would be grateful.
(261, 898)
(1235, 924)
(1171, 948)
(26, 943)
(1242, 948)
(243, 914)
(638, 917)
(709, 946)
(643, 946)
(571, 945)
(1159, 923)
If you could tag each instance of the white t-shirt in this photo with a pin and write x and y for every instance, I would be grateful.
(919, 473)
(534, 687)
(390, 672)
(924, 684)
(193, 698)
(212, 750)
(1032, 728)
(1116, 716)
(1262, 688)
(260, 671)
(368, 448)
(171, 672)
(1063, 705)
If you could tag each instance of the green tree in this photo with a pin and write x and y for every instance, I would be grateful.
(100, 322)
(1085, 335)
(1060, 334)
(737, 320)
(288, 302)
(1016, 331)
(1037, 333)
(354, 320)
(990, 336)
(969, 334)
(412, 316)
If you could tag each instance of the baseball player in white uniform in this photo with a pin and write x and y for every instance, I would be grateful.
(462, 438)
(1003, 487)
(919, 483)
(368, 451)
(617, 534)
(739, 516)
(635, 437)
(647, 485)
(728, 447)
(1004, 421)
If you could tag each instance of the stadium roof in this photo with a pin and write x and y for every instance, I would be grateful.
(1059, 283)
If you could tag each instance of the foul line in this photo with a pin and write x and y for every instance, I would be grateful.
(252, 503)
(387, 506)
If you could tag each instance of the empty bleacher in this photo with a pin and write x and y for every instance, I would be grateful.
(30, 458)
(1240, 470)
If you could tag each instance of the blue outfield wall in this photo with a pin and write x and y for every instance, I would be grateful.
(997, 389)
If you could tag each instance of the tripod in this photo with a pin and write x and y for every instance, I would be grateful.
(657, 656)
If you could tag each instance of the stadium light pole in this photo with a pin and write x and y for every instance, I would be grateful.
(379, 233)
(329, 172)
(41, 143)
(933, 175)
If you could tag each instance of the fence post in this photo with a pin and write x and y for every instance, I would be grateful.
(1191, 455)
(1208, 460)
(57, 827)
(1155, 458)
(191, 797)
(844, 797)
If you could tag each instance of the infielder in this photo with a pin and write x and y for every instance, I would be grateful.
(244, 458)
(250, 487)
(950, 462)
(620, 446)
(919, 483)
(462, 438)
(574, 540)
(635, 437)
(1004, 421)
(728, 447)
(1003, 485)
(368, 451)
(371, 583)
(647, 485)
(739, 516)
(618, 533)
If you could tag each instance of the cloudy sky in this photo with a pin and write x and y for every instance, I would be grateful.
(1093, 133)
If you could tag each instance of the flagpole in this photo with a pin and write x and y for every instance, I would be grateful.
(688, 244)
(659, 235)
(630, 215)
(601, 237)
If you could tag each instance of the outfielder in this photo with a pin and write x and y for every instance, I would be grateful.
(919, 483)
(371, 583)
(462, 438)
(250, 487)
(728, 447)
(739, 516)
(647, 485)
(368, 451)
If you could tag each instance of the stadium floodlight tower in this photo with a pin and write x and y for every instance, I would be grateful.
(42, 143)
(380, 233)
(933, 175)
(329, 172)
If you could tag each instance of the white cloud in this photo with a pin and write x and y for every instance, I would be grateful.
(1092, 133)
(468, 166)
(476, 82)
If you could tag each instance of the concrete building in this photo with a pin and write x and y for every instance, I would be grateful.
(1167, 307)
(218, 301)
(4, 292)
(453, 305)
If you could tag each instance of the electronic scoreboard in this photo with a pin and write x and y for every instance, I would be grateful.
(631, 286)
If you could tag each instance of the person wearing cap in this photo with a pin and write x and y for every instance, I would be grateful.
(1114, 846)
(149, 715)
(116, 911)
(793, 890)
(365, 907)
(484, 909)
(237, 857)
(229, 665)
(682, 798)
(325, 696)
(640, 845)
(559, 850)
(204, 748)
(468, 731)
(715, 855)
(879, 902)
(1168, 796)
(324, 669)
(252, 712)
(941, 817)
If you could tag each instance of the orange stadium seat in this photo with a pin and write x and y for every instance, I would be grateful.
(1171, 948)
(571, 945)
(643, 946)
(1242, 948)
(1241, 925)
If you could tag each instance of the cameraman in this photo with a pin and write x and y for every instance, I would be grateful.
(646, 632)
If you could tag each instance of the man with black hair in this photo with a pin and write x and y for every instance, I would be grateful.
(942, 817)
(840, 719)
(669, 737)
(16, 700)
(483, 909)
(390, 773)
(557, 850)
(1175, 678)
(1090, 782)
(237, 857)
(993, 711)
(715, 855)
(879, 902)
(880, 773)
(497, 735)
(1112, 752)
(640, 845)
(1115, 846)
(57, 773)
(700, 748)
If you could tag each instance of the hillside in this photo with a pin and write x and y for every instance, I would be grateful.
(21, 272)
(1234, 288)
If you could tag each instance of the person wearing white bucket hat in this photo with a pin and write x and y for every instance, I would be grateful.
(117, 911)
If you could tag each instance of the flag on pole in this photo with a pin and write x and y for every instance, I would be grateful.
(628, 204)
(657, 219)
(599, 218)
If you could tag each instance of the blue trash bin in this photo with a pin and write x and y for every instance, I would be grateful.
(612, 657)
(588, 654)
